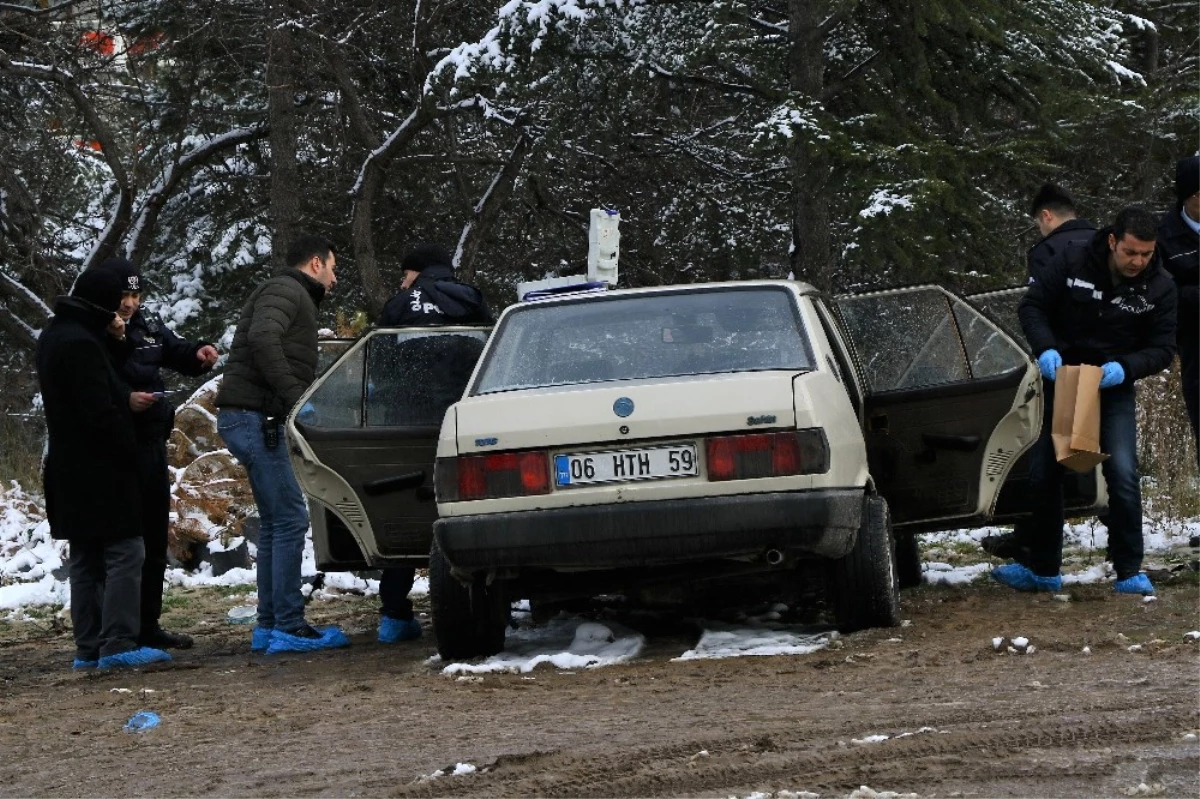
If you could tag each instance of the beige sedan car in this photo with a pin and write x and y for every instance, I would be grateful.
(663, 443)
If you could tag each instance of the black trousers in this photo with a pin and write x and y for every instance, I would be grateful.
(105, 580)
(154, 484)
(1189, 362)
(394, 585)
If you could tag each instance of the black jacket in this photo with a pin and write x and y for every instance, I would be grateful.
(1073, 232)
(150, 345)
(90, 474)
(273, 358)
(1075, 308)
(436, 298)
(1179, 247)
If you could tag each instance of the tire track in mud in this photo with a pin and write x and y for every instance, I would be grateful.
(754, 761)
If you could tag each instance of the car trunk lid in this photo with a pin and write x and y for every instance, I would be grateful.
(660, 408)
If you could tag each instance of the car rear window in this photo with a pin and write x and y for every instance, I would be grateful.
(637, 336)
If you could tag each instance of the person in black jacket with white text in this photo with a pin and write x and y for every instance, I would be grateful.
(141, 350)
(1109, 304)
(1179, 245)
(429, 296)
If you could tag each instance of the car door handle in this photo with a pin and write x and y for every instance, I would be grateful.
(385, 485)
(952, 443)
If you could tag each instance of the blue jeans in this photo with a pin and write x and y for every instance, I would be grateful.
(282, 511)
(1118, 437)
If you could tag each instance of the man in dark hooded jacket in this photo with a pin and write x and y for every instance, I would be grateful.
(1109, 304)
(1179, 244)
(429, 296)
(146, 345)
(90, 474)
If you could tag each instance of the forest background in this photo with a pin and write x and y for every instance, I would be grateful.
(854, 144)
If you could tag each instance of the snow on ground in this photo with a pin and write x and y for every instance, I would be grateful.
(730, 641)
(565, 643)
(33, 573)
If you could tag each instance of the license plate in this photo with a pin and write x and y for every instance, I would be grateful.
(618, 466)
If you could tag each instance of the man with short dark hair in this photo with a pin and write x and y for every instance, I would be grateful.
(272, 360)
(1179, 244)
(142, 347)
(429, 296)
(1054, 213)
(1111, 305)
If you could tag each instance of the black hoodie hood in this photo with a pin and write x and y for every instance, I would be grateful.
(457, 301)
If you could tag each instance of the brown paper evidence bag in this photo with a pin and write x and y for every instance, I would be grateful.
(1076, 423)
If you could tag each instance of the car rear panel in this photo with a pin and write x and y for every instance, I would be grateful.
(581, 419)
(661, 408)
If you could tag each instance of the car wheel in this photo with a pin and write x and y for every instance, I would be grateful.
(908, 560)
(468, 621)
(864, 585)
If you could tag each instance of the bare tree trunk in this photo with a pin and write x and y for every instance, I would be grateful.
(281, 110)
(811, 257)
(488, 208)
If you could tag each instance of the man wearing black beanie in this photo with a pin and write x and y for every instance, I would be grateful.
(90, 480)
(429, 296)
(1179, 246)
(141, 348)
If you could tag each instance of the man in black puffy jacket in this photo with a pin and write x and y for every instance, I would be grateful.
(429, 296)
(1179, 245)
(90, 474)
(272, 360)
(141, 350)
(1109, 304)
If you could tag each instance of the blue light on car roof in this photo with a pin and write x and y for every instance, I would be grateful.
(586, 287)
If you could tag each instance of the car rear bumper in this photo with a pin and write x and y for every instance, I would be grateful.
(822, 523)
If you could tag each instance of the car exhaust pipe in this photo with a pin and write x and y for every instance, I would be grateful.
(774, 557)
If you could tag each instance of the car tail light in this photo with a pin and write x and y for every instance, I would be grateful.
(767, 455)
(497, 474)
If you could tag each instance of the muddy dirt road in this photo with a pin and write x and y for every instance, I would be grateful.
(962, 718)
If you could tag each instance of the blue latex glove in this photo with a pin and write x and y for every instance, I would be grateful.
(1114, 375)
(308, 414)
(1048, 362)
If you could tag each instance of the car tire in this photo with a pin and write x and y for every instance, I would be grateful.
(908, 560)
(864, 585)
(468, 621)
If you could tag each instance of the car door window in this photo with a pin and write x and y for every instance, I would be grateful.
(925, 337)
(907, 340)
(412, 378)
(1001, 308)
(337, 401)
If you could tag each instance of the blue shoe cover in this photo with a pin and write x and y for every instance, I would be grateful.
(80, 663)
(1137, 584)
(331, 638)
(260, 639)
(135, 657)
(393, 631)
(1014, 575)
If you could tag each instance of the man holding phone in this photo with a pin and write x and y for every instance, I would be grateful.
(142, 345)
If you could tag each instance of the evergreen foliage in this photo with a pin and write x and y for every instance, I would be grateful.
(855, 143)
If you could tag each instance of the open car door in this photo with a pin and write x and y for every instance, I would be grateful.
(951, 403)
(1083, 494)
(363, 437)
